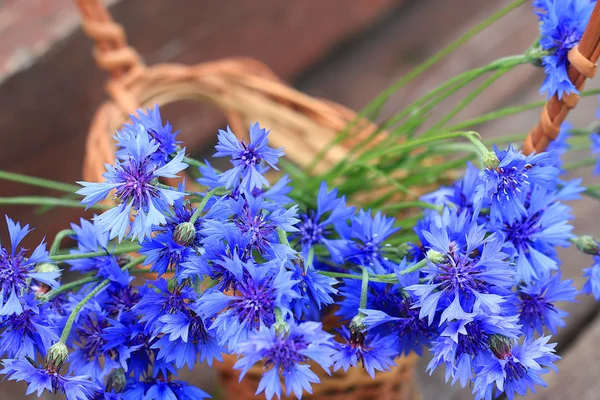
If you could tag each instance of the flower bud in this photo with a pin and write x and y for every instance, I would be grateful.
(280, 325)
(116, 380)
(490, 160)
(587, 245)
(185, 234)
(435, 256)
(47, 267)
(357, 324)
(57, 354)
(500, 346)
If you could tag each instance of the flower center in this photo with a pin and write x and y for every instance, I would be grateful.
(459, 273)
(255, 303)
(285, 353)
(534, 307)
(255, 226)
(514, 369)
(510, 181)
(248, 158)
(474, 341)
(137, 178)
(311, 232)
(12, 274)
(520, 233)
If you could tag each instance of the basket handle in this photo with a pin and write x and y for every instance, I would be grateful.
(582, 66)
(111, 51)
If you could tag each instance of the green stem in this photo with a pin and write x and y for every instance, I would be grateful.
(122, 249)
(40, 182)
(372, 278)
(364, 288)
(282, 235)
(310, 258)
(454, 84)
(414, 268)
(402, 147)
(69, 324)
(202, 204)
(383, 278)
(465, 102)
(378, 102)
(193, 162)
(68, 286)
(505, 112)
(47, 201)
(593, 193)
(54, 249)
(431, 61)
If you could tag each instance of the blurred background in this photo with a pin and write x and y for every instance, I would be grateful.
(343, 50)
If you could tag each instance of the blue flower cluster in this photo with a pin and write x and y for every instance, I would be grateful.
(241, 268)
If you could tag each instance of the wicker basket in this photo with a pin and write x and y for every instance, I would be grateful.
(244, 90)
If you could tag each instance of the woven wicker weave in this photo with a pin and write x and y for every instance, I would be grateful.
(244, 90)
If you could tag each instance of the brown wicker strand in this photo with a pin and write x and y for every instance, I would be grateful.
(111, 52)
(582, 66)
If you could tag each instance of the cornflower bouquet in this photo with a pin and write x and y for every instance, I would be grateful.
(234, 264)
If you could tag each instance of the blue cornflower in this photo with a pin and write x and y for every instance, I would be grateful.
(136, 183)
(462, 279)
(457, 225)
(533, 237)
(390, 312)
(159, 390)
(29, 333)
(375, 353)
(277, 194)
(461, 195)
(129, 340)
(535, 303)
(89, 356)
(212, 263)
(16, 269)
(592, 285)
(246, 158)
(186, 336)
(314, 291)
(513, 367)
(40, 379)
(167, 250)
(258, 291)
(255, 222)
(317, 227)
(118, 300)
(158, 300)
(286, 353)
(562, 24)
(151, 123)
(90, 238)
(366, 237)
(503, 184)
(465, 340)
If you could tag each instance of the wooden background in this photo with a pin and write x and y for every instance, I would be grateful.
(343, 50)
